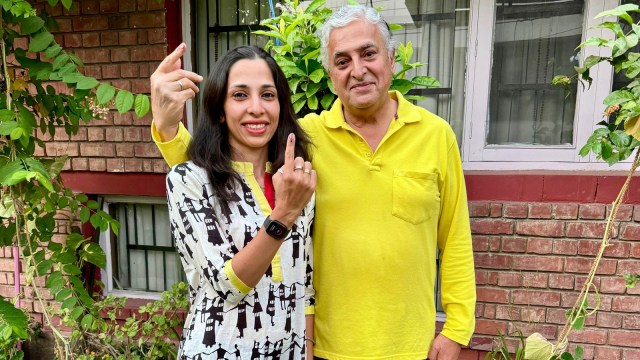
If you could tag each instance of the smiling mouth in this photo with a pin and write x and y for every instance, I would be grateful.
(361, 85)
(256, 126)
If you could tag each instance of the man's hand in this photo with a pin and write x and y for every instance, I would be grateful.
(443, 348)
(171, 87)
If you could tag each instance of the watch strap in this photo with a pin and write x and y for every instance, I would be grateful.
(275, 228)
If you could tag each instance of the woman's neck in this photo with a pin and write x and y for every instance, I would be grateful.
(259, 161)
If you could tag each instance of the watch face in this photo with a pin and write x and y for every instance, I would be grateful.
(276, 230)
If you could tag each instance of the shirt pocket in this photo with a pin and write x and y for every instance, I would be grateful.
(416, 196)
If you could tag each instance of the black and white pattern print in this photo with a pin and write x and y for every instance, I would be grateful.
(223, 322)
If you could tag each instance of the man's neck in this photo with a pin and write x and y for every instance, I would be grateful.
(372, 126)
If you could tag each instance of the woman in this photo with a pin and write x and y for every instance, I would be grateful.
(232, 216)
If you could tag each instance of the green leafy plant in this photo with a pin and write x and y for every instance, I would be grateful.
(296, 48)
(503, 351)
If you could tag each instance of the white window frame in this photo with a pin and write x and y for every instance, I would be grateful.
(105, 244)
(477, 155)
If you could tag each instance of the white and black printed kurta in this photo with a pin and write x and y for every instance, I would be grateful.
(227, 319)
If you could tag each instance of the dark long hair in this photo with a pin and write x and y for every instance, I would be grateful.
(210, 147)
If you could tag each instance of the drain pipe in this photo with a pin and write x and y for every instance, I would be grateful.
(16, 281)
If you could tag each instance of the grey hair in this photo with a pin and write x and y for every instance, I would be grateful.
(345, 16)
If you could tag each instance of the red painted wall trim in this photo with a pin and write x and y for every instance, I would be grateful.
(173, 20)
(550, 188)
(103, 183)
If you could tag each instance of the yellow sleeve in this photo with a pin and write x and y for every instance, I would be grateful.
(173, 151)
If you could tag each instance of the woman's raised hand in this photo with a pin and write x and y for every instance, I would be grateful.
(294, 183)
(171, 87)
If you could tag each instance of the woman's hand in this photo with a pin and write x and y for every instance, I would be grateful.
(171, 87)
(294, 183)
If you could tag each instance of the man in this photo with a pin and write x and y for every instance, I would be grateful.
(390, 194)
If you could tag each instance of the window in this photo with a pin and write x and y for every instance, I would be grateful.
(513, 115)
(141, 259)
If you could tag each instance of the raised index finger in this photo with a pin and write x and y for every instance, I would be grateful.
(289, 153)
(168, 64)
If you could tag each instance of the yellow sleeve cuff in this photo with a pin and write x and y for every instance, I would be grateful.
(310, 310)
(234, 279)
(173, 151)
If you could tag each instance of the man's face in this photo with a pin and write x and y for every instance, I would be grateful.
(359, 66)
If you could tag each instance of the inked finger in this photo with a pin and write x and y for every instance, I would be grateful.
(168, 64)
(289, 152)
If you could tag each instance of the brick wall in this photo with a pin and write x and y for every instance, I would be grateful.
(121, 42)
(532, 260)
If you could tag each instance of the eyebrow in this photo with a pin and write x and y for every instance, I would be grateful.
(362, 48)
(244, 86)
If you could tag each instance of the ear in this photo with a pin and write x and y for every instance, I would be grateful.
(393, 59)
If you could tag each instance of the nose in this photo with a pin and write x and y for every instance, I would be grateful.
(359, 69)
(255, 106)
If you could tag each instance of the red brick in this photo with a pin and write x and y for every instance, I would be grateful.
(495, 210)
(61, 148)
(631, 322)
(538, 263)
(148, 53)
(72, 40)
(135, 134)
(630, 232)
(565, 247)
(492, 261)
(478, 209)
(89, 23)
(589, 336)
(625, 212)
(492, 295)
(115, 165)
(626, 304)
(80, 164)
(518, 210)
(125, 150)
(540, 228)
(613, 285)
(142, 37)
(118, 22)
(93, 71)
(628, 267)
(108, 38)
(132, 165)
(108, 6)
(583, 265)
(91, 39)
(97, 149)
(64, 25)
(489, 311)
(623, 338)
(516, 244)
(130, 70)
(587, 229)
(608, 320)
(123, 119)
(127, 5)
(491, 226)
(565, 211)
(507, 312)
(120, 54)
(539, 211)
(141, 86)
(95, 134)
(93, 55)
(617, 249)
(113, 134)
(146, 151)
(111, 71)
(561, 281)
(556, 316)
(533, 315)
(97, 165)
(539, 246)
(635, 250)
(157, 5)
(146, 20)
(485, 277)
(480, 243)
(535, 280)
(630, 354)
(144, 121)
(591, 211)
(506, 279)
(157, 36)
(606, 353)
(490, 327)
(122, 84)
(535, 297)
(129, 37)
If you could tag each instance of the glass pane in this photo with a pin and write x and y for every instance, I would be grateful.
(143, 256)
(533, 43)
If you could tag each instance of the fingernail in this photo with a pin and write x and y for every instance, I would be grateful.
(182, 46)
(291, 137)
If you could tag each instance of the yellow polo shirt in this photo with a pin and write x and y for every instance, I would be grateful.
(381, 216)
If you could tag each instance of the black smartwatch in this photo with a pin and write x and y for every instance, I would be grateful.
(275, 228)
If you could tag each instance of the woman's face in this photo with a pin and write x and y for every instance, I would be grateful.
(251, 107)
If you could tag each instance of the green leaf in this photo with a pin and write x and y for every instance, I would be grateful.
(94, 254)
(71, 269)
(298, 105)
(52, 51)
(92, 204)
(87, 82)
(15, 318)
(105, 93)
(312, 102)
(44, 267)
(69, 303)
(142, 105)
(124, 101)
(60, 61)
(7, 115)
(401, 85)
(426, 81)
(84, 214)
(77, 312)
(16, 133)
(67, 4)
(40, 42)
(7, 127)
(87, 320)
(30, 25)
(618, 97)
(317, 75)
(312, 89)
(579, 353)
(63, 294)
(327, 100)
